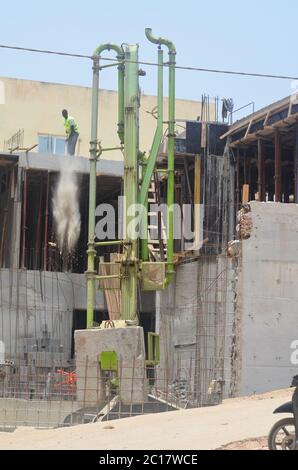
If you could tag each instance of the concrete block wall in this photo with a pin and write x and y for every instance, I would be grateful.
(194, 319)
(267, 300)
(128, 343)
(29, 300)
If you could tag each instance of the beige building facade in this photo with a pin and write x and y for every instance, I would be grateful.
(35, 107)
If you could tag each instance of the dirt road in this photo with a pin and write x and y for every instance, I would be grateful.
(205, 428)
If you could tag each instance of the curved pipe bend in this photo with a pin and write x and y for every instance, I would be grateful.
(160, 41)
(109, 47)
(120, 56)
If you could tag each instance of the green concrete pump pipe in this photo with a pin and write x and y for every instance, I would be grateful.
(131, 153)
(92, 197)
(171, 149)
(92, 178)
(151, 162)
(120, 56)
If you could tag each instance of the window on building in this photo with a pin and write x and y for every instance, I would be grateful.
(51, 144)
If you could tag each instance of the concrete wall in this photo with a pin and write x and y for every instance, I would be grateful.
(128, 344)
(29, 300)
(34, 413)
(36, 108)
(267, 300)
(194, 320)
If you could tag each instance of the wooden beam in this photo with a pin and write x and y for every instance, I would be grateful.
(238, 178)
(245, 194)
(197, 202)
(248, 129)
(277, 166)
(266, 118)
(261, 171)
(290, 108)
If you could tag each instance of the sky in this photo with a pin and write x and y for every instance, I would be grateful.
(256, 36)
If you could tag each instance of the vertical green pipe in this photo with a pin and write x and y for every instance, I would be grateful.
(131, 153)
(121, 98)
(143, 198)
(171, 150)
(171, 166)
(91, 252)
(92, 197)
(120, 57)
(144, 241)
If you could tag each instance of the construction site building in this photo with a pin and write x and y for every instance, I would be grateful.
(226, 325)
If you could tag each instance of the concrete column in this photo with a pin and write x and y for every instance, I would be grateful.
(296, 164)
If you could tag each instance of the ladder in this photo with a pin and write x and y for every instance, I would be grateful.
(157, 234)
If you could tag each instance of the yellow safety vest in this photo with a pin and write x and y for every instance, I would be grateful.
(68, 124)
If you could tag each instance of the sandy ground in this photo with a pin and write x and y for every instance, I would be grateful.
(224, 426)
(248, 444)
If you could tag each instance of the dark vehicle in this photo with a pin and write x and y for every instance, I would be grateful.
(282, 435)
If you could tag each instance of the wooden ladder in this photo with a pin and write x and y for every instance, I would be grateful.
(157, 244)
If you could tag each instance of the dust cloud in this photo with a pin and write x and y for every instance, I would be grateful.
(66, 209)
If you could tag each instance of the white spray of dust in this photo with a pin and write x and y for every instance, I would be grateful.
(66, 210)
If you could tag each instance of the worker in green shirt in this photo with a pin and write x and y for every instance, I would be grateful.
(72, 132)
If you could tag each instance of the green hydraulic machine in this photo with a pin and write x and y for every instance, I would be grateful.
(135, 269)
